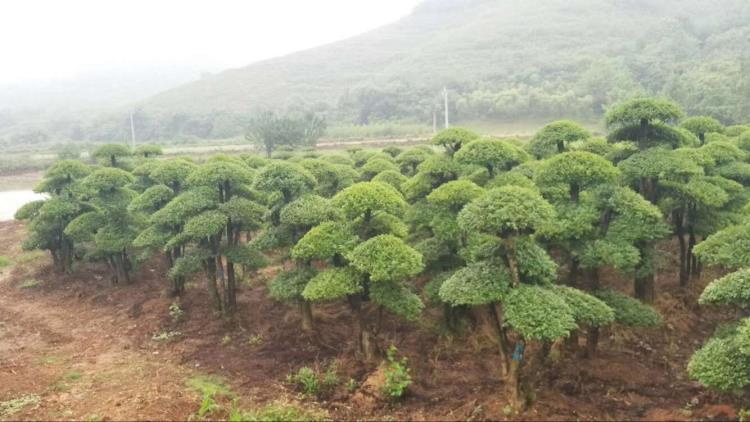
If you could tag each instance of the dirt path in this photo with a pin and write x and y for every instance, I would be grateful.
(69, 365)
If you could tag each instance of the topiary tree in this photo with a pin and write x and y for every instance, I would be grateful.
(556, 137)
(701, 125)
(148, 150)
(511, 275)
(47, 218)
(375, 166)
(411, 158)
(723, 363)
(111, 154)
(493, 154)
(330, 177)
(106, 227)
(365, 261)
(452, 139)
(644, 120)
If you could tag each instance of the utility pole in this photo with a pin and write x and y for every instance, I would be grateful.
(132, 131)
(445, 99)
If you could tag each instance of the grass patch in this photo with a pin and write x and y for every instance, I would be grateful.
(13, 406)
(209, 387)
(28, 257)
(5, 261)
(166, 336)
(30, 284)
(277, 412)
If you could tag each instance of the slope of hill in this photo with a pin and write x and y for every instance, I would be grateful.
(502, 59)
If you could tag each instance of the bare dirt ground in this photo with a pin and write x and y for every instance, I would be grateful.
(78, 348)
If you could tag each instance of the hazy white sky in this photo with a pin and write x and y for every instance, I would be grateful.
(50, 39)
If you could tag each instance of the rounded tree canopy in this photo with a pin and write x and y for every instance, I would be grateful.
(289, 178)
(505, 210)
(538, 313)
(205, 224)
(732, 289)
(729, 247)
(325, 241)
(391, 177)
(185, 205)
(62, 175)
(476, 284)
(172, 171)
(368, 198)
(556, 136)
(659, 163)
(220, 172)
(243, 212)
(106, 179)
(587, 309)
(148, 150)
(107, 151)
(723, 151)
(453, 139)
(376, 166)
(386, 258)
(412, 157)
(288, 286)
(578, 170)
(151, 199)
(629, 311)
(455, 194)
(493, 154)
(397, 298)
(333, 283)
(722, 363)
(308, 211)
(701, 125)
(392, 150)
(651, 110)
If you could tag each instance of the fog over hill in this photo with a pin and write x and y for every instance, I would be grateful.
(500, 59)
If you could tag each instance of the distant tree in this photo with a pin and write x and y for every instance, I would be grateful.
(271, 130)
(492, 154)
(556, 138)
(411, 158)
(701, 125)
(111, 154)
(453, 139)
(148, 150)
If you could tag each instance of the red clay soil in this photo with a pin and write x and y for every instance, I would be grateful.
(86, 349)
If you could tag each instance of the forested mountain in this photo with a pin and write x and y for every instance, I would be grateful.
(500, 59)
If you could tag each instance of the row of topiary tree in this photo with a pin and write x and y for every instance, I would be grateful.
(518, 232)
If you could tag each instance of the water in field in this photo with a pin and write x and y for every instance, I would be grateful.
(12, 200)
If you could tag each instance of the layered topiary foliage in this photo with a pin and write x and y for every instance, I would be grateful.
(112, 155)
(409, 159)
(47, 219)
(723, 362)
(106, 229)
(148, 150)
(453, 139)
(511, 275)
(701, 125)
(556, 137)
(492, 154)
(365, 262)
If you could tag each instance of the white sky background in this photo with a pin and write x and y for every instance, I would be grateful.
(54, 39)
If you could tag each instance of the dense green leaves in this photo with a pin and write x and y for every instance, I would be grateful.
(629, 311)
(386, 258)
(538, 313)
(476, 284)
(732, 289)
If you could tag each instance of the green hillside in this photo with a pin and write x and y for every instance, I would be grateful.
(503, 59)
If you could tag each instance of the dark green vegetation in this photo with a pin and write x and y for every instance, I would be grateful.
(500, 60)
(470, 225)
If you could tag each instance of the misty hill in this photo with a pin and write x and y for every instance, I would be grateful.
(503, 59)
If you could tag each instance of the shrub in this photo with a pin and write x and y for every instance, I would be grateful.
(397, 378)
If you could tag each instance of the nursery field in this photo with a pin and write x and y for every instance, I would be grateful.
(563, 277)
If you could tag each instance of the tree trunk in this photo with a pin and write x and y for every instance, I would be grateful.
(365, 344)
(514, 375)
(594, 282)
(231, 293)
(213, 291)
(684, 271)
(592, 340)
(510, 253)
(644, 288)
(496, 315)
(305, 309)
(574, 271)
(571, 342)
(645, 277)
